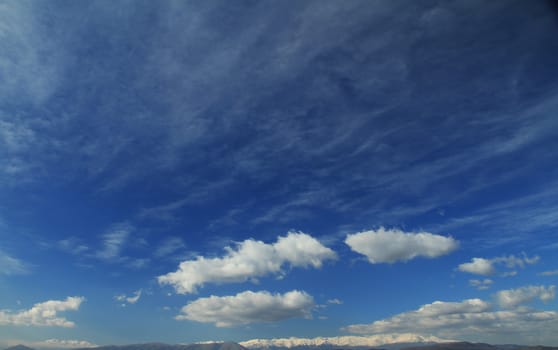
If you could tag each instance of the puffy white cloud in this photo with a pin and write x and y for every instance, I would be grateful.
(481, 284)
(129, 299)
(248, 307)
(392, 245)
(511, 298)
(42, 314)
(10, 265)
(249, 260)
(473, 319)
(478, 266)
(487, 267)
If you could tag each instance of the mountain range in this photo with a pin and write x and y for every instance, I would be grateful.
(337, 343)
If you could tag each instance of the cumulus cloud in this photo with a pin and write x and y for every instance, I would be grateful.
(43, 314)
(249, 260)
(129, 299)
(478, 266)
(481, 284)
(392, 245)
(487, 267)
(248, 307)
(10, 265)
(511, 298)
(472, 319)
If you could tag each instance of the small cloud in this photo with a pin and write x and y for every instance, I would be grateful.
(72, 245)
(43, 314)
(481, 284)
(113, 242)
(169, 246)
(478, 266)
(129, 299)
(548, 273)
(390, 246)
(487, 267)
(248, 307)
(11, 266)
(335, 301)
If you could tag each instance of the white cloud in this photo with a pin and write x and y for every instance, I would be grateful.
(335, 301)
(169, 246)
(63, 344)
(10, 265)
(487, 267)
(52, 343)
(511, 298)
(42, 314)
(478, 266)
(250, 259)
(113, 241)
(129, 299)
(248, 307)
(472, 319)
(390, 246)
(481, 284)
(72, 245)
(549, 273)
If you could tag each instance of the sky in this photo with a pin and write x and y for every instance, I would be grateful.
(183, 171)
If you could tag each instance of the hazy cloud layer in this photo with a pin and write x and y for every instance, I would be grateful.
(392, 245)
(474, 319)
(250, 259)
(43, 314)
(512, 298)
(248, 307)
(487, 267)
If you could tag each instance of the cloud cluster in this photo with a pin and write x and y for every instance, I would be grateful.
(249, 260)
(248, 307)
(481, 284)
(511, 298)
(487, 267)
(392, 245)
(43, 314)
(472, 317)
(129, 299)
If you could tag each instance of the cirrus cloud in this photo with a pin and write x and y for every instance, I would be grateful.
(250, 259)
(392, 245)
(248, 307)
(43, 314)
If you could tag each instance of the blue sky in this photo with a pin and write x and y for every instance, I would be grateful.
(185, 171)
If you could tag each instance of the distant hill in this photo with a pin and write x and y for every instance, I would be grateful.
(20, 347)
